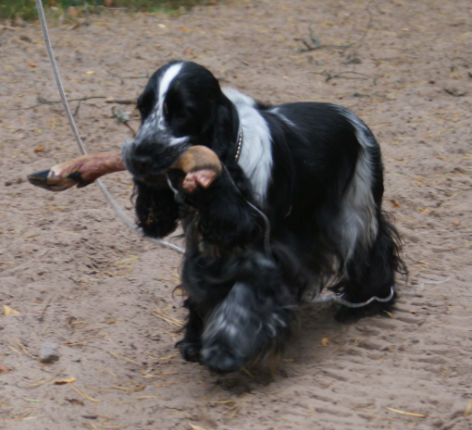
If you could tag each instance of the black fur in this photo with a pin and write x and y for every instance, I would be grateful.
(298, 211)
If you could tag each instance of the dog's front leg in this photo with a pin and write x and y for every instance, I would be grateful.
(225, 218)
(257, 311)
(190, 345)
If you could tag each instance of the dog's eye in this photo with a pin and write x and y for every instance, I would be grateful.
(166, 109)
(145, 104)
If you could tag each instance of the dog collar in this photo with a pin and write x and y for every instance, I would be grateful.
(239, 145)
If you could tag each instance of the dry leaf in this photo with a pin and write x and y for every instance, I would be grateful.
(394, 203)
(39, 148)
(4, 369)
(128, 260)
(73, 11)
(325, 341)
(70, 320)
(8, 311)
(64, 381)
(75, 401)
(195, 427)
(468, 409)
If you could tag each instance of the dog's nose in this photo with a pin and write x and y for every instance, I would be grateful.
(141, 163)
(137, 157)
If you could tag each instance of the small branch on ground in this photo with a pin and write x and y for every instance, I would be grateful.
(7, 27)
(349, 74)
(313, 43)
(123, 118)
(121, 101)
(42, 101)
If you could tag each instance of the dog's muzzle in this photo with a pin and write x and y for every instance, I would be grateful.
(146, 159)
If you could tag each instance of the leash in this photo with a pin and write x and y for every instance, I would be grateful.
(337, 298)
(130, 223)
(82, 149)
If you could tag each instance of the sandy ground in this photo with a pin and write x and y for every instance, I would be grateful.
(79, 278)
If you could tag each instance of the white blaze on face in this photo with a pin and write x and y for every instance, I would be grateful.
(162, 88)
(155, 124)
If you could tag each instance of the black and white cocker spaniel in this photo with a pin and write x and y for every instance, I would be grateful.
(297, 207)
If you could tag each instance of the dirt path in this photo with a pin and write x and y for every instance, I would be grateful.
(80, 279)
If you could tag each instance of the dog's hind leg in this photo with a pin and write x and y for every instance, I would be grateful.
(370, 274)
(256, 312)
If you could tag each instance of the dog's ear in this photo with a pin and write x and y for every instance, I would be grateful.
(156, 209)
(225, 129)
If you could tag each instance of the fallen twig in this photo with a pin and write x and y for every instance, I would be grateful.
(121, 101)
(314, 43)
(406, 413)
(123, 118)
(174, 322)
(42, 101)
(7, 27)
(84, 395)
(442, 281)
(345, 75)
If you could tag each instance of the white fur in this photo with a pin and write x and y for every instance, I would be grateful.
(163, 86)
(276, 111)
(237, 97)
(256, 152)
(230, 316)
(155, 122)
(358, 221)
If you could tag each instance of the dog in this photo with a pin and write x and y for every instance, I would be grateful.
(297, 208)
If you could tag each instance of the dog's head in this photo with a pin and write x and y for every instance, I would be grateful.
(178, 108)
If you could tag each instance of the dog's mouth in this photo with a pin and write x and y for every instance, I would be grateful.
(150, 165)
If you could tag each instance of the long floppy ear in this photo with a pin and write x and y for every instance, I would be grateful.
(225, 130)
(156, 209)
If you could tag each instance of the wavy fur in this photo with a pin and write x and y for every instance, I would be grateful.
(299, 210)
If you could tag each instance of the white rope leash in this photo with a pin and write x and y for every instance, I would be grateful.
(337, 298)
(130, 223)
(83, 150)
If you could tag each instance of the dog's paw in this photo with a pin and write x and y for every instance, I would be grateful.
(190, 351)
(220, 358)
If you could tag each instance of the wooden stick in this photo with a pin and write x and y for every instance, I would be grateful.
(80, 171)
(200, 164)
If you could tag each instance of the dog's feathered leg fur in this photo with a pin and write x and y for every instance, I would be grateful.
(258, 310)
(372, 273)
(243, 301)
